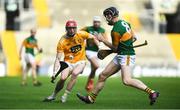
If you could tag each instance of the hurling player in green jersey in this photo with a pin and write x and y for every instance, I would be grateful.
(122, 39)
(28, 59)
(92, 49)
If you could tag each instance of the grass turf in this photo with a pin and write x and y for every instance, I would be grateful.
(114, 95)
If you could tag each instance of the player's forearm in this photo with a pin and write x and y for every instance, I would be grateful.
(20, 51)
(39, 49)
(108, 44)
(95, 39)
(56, 67)
(56, 63)
(135, 37)
(96, 42)
(105, 36)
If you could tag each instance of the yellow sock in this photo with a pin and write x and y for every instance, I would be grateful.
(93, 96)
(148, 90)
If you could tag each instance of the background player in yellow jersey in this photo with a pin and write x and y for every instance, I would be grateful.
(72, 45)
(28, 59)
(122, 39)
(92, 49)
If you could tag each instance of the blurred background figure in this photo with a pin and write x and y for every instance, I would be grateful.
(28, 60)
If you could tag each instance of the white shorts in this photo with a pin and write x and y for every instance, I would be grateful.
(73, 65)
(90, 54)
(128, 60)
(29, 58)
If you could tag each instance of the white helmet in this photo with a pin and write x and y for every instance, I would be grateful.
(97, 18)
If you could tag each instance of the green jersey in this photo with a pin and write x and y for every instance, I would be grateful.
(30, 43)
(90, 42)
(122, 37)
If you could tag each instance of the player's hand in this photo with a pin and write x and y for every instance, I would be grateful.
(100, 38)
(40, 50)
(52, 79)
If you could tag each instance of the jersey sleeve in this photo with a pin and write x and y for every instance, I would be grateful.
(84, 34)
(115, 38)
(24, 43)
(36, 43)
(83, 29)
(60, 47)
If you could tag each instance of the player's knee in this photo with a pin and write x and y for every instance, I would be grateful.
(127, 82)
(63, 78)
(96, 67)
(33, 66)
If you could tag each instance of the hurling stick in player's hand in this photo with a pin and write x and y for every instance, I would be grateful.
(63, 65)
(103, 53)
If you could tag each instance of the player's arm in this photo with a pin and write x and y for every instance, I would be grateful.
(24, 43)
(134, 36)
(59, 54)
(94, 38)
(107, 43)
(105, 36)
(87, 35)
(56, 63)
(83, 29)
(38, 48)
(20, 50)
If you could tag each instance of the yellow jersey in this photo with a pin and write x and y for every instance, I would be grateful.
(73, 47)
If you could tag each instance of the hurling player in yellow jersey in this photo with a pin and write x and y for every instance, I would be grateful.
(72, 46)
(28, 59)
(121, 34)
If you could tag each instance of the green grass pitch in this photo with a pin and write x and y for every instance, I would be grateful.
(114, 95)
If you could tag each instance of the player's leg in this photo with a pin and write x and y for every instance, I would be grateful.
(60, 84)
(31, 60)
(129, 81)
(24, 74)
(94, 66)
(75, 72)
(34, 75)
(110, 69)
(25, 68)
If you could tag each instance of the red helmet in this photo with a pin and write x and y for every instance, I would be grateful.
(71, 23)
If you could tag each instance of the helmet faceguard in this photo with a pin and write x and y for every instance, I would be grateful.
(71, 28)
(110, 13)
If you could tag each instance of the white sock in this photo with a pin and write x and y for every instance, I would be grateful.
(53, 94)
(66, 93)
